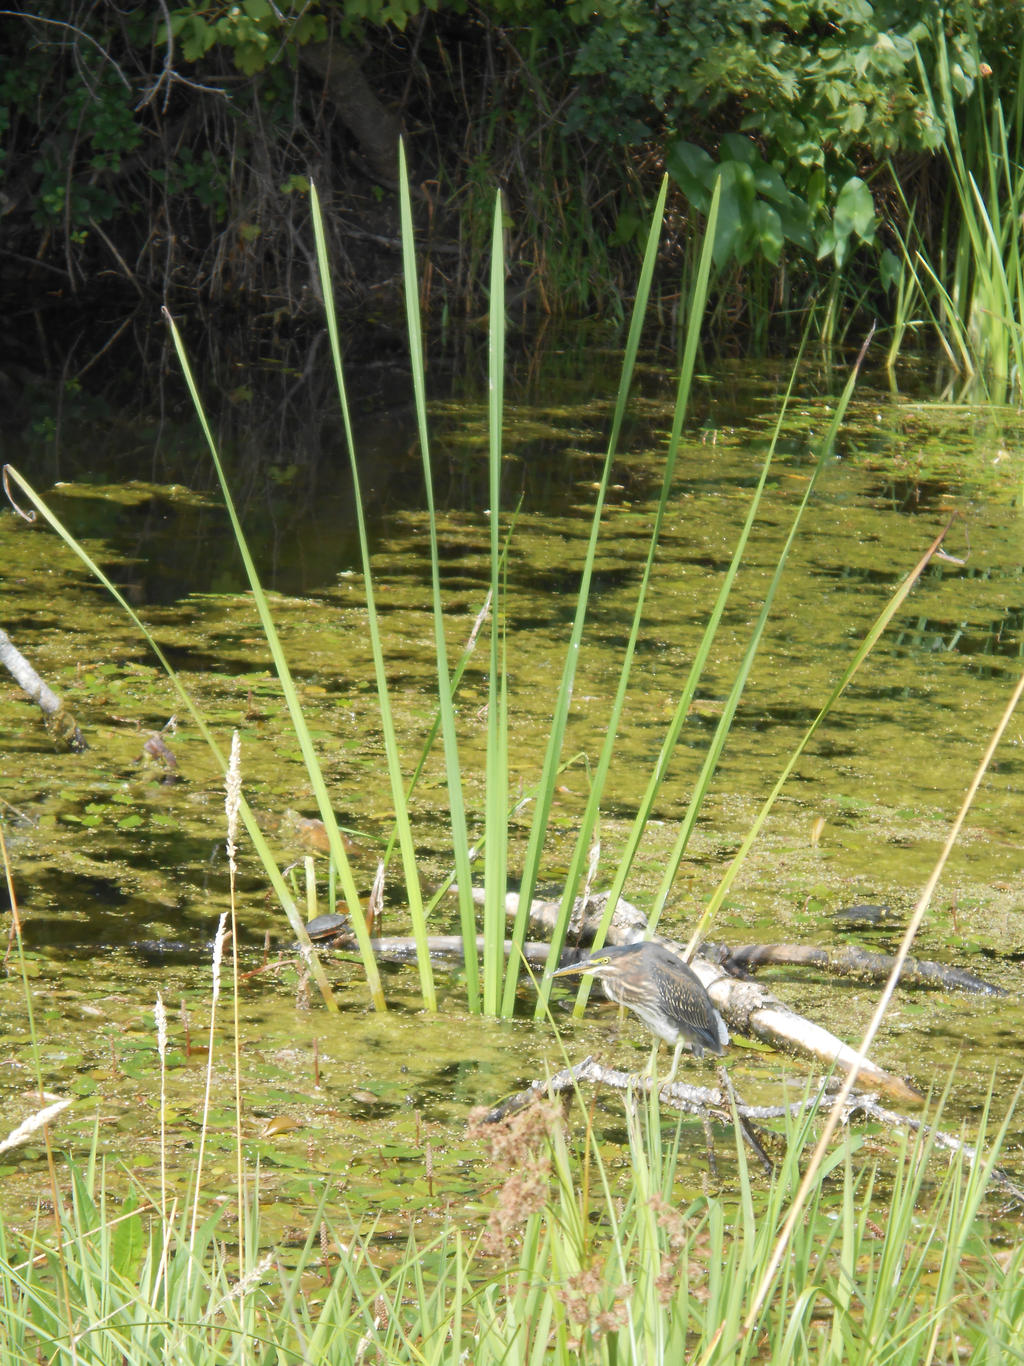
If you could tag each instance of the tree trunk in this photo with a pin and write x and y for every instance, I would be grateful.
(375, 128)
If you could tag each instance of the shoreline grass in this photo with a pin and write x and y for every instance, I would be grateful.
(574, 1261)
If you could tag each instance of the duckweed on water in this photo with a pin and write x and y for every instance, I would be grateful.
(119, 860)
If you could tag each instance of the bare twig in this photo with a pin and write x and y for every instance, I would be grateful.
(61, 723)
(71, 28)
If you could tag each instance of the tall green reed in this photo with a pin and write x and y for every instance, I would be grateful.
(445, 683)
(403, 823)
(491, 983)
(538, 829)
(974, 285)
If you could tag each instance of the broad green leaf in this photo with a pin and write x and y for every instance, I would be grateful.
(693, 171)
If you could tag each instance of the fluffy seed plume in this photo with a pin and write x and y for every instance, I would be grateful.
(218, 954)
(33, 1124)
(161, 1026)
(233, 795)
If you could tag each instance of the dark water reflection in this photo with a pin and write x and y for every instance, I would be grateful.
(110, 859)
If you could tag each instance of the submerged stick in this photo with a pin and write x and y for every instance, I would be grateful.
(849, 960)
(402, 948)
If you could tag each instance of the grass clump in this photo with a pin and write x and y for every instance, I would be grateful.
(492, 975)
(968, 281)
(579, 1258)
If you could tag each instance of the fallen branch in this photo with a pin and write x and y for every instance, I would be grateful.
(59, 721)
(693, 1100)
(713, 1102)
(706, 1102)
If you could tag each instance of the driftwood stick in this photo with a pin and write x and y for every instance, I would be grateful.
(851, 961)
(59, 721)
(868, 1105)
(694, 1100)
(720, 1102)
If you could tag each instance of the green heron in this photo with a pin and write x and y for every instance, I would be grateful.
(663, 990)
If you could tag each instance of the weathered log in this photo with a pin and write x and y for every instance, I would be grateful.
(402, 948)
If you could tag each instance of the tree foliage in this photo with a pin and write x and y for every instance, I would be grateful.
(172, 146)
(802, 101)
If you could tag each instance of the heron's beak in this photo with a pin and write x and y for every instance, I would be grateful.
(583, 966)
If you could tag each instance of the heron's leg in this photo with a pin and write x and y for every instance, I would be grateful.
(675, 1063)
(638, 1078)
(671, 1078)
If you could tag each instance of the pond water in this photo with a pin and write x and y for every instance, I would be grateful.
(120, 872)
